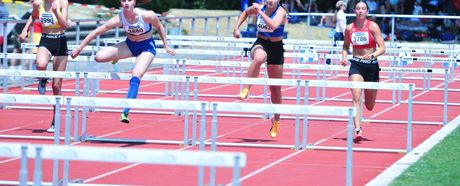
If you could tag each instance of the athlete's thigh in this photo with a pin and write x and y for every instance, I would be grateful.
(59, 63)
(43, 56)
(258, 53)
(275, 71)
(356, 78)
(115, 52)
(143, 62)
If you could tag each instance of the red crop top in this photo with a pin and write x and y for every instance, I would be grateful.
(362, 38)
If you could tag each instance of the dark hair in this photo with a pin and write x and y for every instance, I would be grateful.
(281, 4)
(362, 1)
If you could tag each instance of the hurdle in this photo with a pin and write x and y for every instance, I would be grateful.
(297, 110)
(36, 100)
(398, 70)
(304, 42)
(300, 48)
(185, 106)
(292, 46)
(253, 81)
(300, 141)
(57, 101)
(44, 74)
(294, 55)
(234, 160)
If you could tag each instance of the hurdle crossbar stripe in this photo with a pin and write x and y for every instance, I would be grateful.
(219, 80)
(241, 64)
(312, 83)
(234, 45)
(391, 58)
(135, 103)
(302, 42)
(26, 56)
(128, 155)
(69, 47)
(283, 109)
(29, 99)
(242, 53)
(292, 66)
(35, 73)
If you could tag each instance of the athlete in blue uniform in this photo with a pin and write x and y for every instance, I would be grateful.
(139, 43)
(268, 48)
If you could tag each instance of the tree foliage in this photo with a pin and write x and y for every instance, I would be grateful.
(160, 6)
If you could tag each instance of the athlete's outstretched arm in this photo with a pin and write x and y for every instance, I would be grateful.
(113, 22)
(244, 15)
(152, 18)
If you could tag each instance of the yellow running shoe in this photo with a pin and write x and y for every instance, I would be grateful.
(274, 130)
(244, 93)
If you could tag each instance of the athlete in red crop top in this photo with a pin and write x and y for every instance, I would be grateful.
(365, 36)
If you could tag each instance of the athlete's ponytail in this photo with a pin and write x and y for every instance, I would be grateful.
(282, 6)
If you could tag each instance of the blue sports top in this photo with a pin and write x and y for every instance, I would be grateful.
(264, 30)
(138, 28)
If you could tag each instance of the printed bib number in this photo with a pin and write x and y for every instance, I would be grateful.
(262, 26)
(134, 29)
(47, 19)
(360, 38)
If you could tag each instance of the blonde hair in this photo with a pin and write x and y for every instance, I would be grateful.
(340, 3)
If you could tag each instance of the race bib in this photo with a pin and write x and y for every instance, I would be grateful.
(134, 29)
(262, 26)
(360, 38)
(47, 19)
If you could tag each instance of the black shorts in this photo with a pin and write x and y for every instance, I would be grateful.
(369, 71)
(274, 50)
(56, 44)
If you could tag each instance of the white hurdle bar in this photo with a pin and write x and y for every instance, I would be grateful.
(305, 42)
(448, 62)
(223, 53)
(289, 109)
(234, 160)
(297, 83)
(56, 101)
(256, 81)
(184, 106)
(324, 68)
(36, 100)
(293, 47)
(298, 110)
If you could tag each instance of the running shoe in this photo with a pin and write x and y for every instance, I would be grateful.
(124, 117)
(244, 94)
(274, 130)
(358, 134)
(42, 85)
(51, 129)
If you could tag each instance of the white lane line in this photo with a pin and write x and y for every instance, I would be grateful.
(8, 160)
(6, 130)
(110, 173)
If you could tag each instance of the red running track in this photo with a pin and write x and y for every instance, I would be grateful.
(265, 166)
